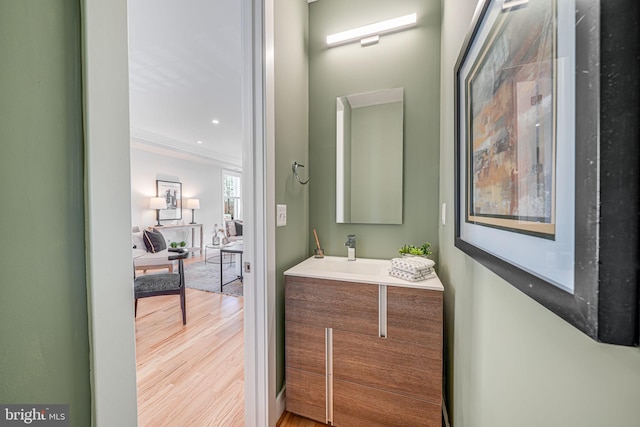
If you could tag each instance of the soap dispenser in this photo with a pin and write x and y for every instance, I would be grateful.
(351, 247)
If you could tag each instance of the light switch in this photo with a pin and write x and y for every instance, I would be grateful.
(281, 215)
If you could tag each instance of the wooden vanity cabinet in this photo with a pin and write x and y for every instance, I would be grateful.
(339, 369)
(306, 365)
(312, 306)
(332, 304)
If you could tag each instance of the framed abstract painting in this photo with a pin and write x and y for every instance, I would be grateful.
(546, 143)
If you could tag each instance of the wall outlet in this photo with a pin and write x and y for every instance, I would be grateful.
(281, 215)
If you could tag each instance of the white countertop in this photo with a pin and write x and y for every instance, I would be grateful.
(362, 270)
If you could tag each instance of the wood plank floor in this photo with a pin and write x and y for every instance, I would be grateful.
(193, 375)
(190, 375)
(292, 420)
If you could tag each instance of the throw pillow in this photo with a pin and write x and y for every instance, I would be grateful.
(238, 228)
(137, 240)
(154, 241)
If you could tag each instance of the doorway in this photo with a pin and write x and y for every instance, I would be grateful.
(105, 84)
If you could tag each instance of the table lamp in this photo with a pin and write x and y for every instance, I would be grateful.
(193, 204)
(158, 203)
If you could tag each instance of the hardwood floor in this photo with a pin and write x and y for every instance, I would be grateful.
(292, 420)
(193, 375)
(190, 375)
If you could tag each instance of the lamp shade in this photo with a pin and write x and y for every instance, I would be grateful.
(193, 204)
(158, 203)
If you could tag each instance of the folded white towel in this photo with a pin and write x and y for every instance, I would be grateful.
(416, 265)
(424, 272)
(407, 276)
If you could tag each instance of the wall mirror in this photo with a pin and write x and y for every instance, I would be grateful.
(369, 158)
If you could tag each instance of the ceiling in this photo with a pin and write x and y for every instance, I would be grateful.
(185, 71)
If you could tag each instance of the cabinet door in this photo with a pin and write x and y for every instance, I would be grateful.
(306, 394)
(399, 367)
(414, 315)
(332, 304)
(357, 405)
(305, 347)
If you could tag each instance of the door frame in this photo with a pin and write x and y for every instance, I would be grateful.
(105, 83)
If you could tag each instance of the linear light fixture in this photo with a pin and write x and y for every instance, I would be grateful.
(508, 4)
(375, 29)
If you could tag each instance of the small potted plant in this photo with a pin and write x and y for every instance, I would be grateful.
(173, 244)
(411, 250)
(183, 244)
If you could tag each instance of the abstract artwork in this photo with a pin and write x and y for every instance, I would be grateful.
(511, 123)
(546, 156)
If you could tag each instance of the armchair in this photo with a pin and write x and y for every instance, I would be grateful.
(151, 285)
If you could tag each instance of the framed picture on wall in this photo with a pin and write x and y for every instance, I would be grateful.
(172, 193)
(546, 147)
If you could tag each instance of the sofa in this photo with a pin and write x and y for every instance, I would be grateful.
(143, 259)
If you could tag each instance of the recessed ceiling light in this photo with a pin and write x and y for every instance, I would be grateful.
(215, 121)
(199, 142)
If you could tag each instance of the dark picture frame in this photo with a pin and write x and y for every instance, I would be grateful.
(598, 290)
(172, 192)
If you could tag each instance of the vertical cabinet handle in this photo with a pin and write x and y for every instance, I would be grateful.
(382, 311)
(329, 377)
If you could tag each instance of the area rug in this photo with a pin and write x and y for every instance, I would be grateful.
(206, 277)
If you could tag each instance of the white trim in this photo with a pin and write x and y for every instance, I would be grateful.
(445, 413)
(108, 184)
(258, 155)
(340, 161)
(269, 207)
(281, 402)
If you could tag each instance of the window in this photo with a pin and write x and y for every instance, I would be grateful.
(231, 195)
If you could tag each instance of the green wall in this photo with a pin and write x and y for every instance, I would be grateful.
(44, 356)
(291, 133)
(511, 362)
(408, 59)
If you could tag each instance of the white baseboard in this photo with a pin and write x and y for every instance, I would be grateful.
(445, 413)
(281, 402)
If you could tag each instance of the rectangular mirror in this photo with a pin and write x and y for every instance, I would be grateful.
(369, 158)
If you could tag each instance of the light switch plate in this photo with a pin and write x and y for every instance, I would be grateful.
(281, 215)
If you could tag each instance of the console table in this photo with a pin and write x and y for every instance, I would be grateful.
(193, 228)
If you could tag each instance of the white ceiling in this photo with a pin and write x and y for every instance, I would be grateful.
(185, 71)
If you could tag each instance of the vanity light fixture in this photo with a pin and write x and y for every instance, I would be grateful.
(370, 34)
(215, 121)
(508, 4)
